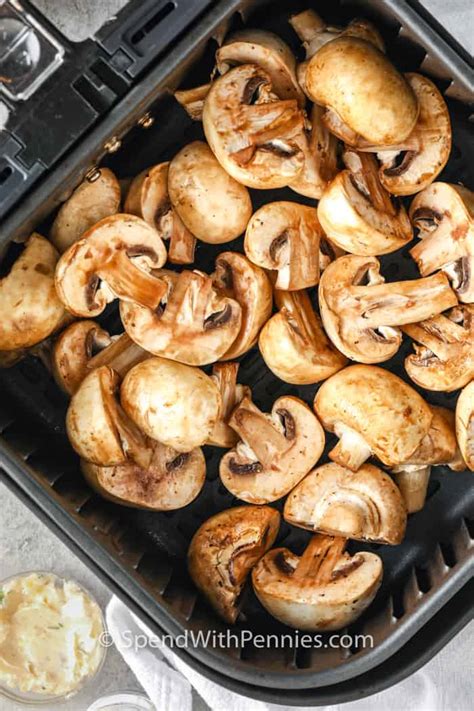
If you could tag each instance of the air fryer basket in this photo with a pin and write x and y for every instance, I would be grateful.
(143, 553)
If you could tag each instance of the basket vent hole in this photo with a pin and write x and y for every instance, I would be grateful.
(433, 487)
(423, 579)
(470, 526)
(153, 22)
(449, 555)
(5, 174)
(397, 603)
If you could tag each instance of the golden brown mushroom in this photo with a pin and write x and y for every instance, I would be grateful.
(465, 424)
(275, 451)
(360, 312)
(232, 393)
(224, 550)
(365, 505)
(324, 589)
(314, 32)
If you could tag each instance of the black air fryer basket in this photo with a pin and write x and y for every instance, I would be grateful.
(427, 591)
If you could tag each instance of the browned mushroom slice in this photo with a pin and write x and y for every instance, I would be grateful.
(223, 551)
(239, 279)
(293, 343)
(412, 166)
(95, 198)
(30, 308)
(444, 216)
(213, 206)
(465, 424)
(365, 505)
(192, 100)
(254, 134)
(225, 377)
(324, 589)
(438, 446)
(148, 198)
(171, 402)
(171, 480)
(357, 213)
(113, 259)
(444, 350)
(284, 236)
(373, 412)
(195, 325)
(275, 452)
(360, 312)
(314, 32)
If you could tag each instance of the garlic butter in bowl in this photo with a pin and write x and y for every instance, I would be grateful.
(50, 637)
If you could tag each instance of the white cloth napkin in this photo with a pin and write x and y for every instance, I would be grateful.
(444, 684)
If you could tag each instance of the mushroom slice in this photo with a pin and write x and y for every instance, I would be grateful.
(444, 350)
(284, 236)
(294, 345)
(225, 377)
(275, 452)
(192, 100)
(171, 402)
(30, 308)
(324, 589)
(373, 412)
(98, 428)
(444, 216)
(223, 551)
(170, 481)
(409, 168)
(314, 32)
(94, 199)
(357, 213)
(255, 135)
(360, 312)
(237, 278)
(113, 259)
(212, 205)
(465, 424)
(195, 325)
(365, 505)
(148, 198)
(83, 346)
(438, 446)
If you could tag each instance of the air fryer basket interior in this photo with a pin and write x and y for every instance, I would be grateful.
(149, 548)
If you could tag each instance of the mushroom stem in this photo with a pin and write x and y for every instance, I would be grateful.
(364, 169)
(258, 432)
(307, 24)
(121, 355)
(182, 242)
(352, 450)
(299, 308)
(412, 480)
(320, 558)
(131, 283)
(225, 377)
(192, 100)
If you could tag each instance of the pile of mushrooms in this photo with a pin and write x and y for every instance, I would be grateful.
(204, 359)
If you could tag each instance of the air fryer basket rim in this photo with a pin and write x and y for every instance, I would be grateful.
(19, 224)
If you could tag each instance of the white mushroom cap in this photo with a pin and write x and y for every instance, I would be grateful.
(173, 403)
(325, 589)
(364, 505)
(30, 308)
(90, 202)
(224, 550)
(465, 424)
(73, 350)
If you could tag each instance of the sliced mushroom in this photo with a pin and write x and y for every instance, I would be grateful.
(365, 505)
(324, 589)
(255, 135)
(444, 216)
(232, 393)
(171, 480)
(95, 198)
(413, 165)
(444, 350)
(465, 424)
(192, 100)
(84, 345)
(438, 446)
(113, 259)
(275, 451)
(98, 428)
(172, 403)
(314, 32)
(148, 198)
(364, 95)
(212, 205)
(224, 550)
(237, 278)
(195, 324)
(30, 308)
(284, 236)
(357, 213)
(372, 412)
(360, 312)
(293, 343)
